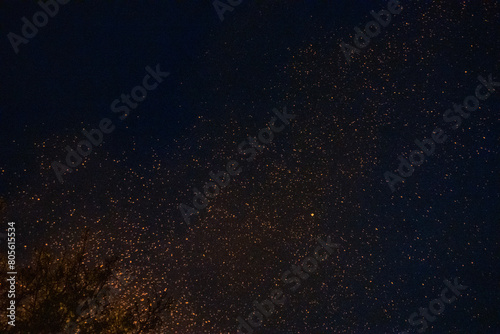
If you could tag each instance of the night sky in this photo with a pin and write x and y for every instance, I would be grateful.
(321, 176)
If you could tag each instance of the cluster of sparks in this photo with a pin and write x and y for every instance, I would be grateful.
(316, 178)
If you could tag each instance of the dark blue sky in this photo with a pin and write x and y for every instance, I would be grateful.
(353, 120)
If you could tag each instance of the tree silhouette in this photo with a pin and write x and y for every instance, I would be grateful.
(67, 294)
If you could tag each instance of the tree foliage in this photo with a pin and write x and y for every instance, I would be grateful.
(68, 294)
